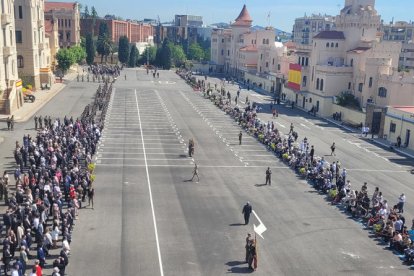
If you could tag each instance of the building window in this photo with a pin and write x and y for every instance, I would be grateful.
(222, 52)
(382, 92)
(370, 82)
(352, 62)
(20, 62)
(68, 36)
(267, 64)
(393, 126)
(267, 41)
(273, 61)
(310, 100)
(349, 86)
(332, 45)
(20, 12)
(278, 67)
(327, 45)
(261, 56)
(321, 85)
(306, 61)
(317, 84)
(304, 81)
(336, 45)
(264, 41)
(228, 52)
(360, 87)
(222, 41)
(19, 37)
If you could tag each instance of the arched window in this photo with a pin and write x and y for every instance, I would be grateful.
(370, 82)
(352, 62)
(336, 45)
(332, 45)
(20, 62)
(327, 45)
(317, 84)
(321, 86)
(382, 92)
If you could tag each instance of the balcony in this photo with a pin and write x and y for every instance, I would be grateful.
(8, 51)
(334, 69)
(6, 19)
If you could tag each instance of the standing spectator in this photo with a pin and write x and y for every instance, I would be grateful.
(268, 176)
(401, 202)
(333, 149)
(247, 210)
(240, 137)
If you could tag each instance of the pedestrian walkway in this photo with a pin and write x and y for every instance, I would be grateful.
(42, 98)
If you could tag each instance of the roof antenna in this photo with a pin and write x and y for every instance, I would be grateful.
(268, 19)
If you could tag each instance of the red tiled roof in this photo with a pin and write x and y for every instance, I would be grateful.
(244, 18)
(408, 109)
(244, 15)
(249, 48)
(59, 6)
(330, 35)
(290, 44)
(359, 50)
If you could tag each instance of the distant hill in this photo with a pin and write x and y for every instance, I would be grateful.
(277, 31)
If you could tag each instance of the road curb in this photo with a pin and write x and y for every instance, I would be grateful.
(388, 145)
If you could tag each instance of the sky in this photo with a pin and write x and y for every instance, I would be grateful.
(282, 12)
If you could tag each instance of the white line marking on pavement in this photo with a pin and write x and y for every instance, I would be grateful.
(279, 124)
(149, 189)
(305, 126)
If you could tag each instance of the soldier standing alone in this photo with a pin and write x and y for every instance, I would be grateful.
(268, 176)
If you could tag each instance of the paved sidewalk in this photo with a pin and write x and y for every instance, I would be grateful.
(42, 98)
(382, 142)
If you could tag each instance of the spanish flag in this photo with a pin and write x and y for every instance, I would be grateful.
(295, 76)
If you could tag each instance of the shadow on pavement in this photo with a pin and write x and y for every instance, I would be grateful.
(236, 269)
(236, 224)
(260, 185)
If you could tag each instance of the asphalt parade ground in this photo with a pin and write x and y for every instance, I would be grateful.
(150, 219)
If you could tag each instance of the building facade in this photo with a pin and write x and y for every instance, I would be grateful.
(305, 28)
(250, 55)
(67, 17)
(404, 32)
(52, 35)
(10, 84)
(33, 53)
(135, 31)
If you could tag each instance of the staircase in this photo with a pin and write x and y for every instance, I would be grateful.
(3, 102)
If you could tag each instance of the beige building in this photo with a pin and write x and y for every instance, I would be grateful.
(10, 85)
(399, 122)
(67, 17)
(351, 60)
(249, 55)
(305, 28)
(33, 53)
(52, 35)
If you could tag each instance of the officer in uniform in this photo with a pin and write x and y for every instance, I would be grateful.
(240, 137)
(268, 176)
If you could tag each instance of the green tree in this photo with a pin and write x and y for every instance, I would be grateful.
(79, 53)
(94, 16)
(207, 54)
(150, 52)
(65, 58)
(195, 52)
(177, 54)
(86, 13)
(133, 55)
(166, 55)
(103, 44)
(123, 49)
(90, 49)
